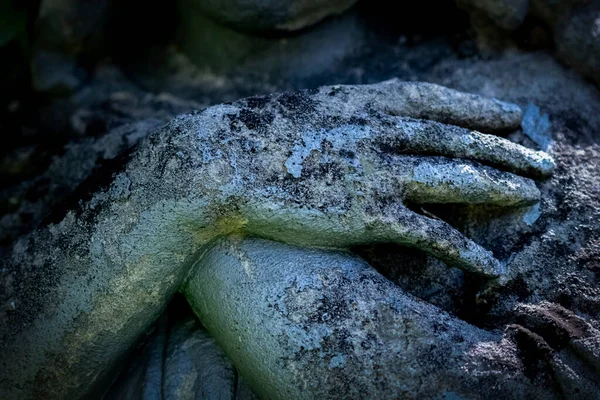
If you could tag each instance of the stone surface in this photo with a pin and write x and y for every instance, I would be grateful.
(274, 55)
(578, 39)
(270, 15)
(338, 177)
(566, 228)
(103, 119)
(554, 246)
(307, 324)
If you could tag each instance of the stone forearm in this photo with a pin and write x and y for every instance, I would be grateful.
(80, 291)
(300, 323)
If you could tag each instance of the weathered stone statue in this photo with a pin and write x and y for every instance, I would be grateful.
(328, 168)
(249, 213)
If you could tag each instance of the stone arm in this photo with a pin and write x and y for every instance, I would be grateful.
(312, 324)
(325, 168)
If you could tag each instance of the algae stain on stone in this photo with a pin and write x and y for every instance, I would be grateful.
(224, 226)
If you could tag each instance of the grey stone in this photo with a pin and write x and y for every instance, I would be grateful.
(556, 256)
(142, 379)
(313, 324)
(557, 263)
(195, 367)
(316, 168)
(222, 49)
(577, 39)
(108, 116)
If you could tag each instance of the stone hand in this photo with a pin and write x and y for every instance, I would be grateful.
(314, 324)
(305, 323)
(331, 167)
(334, 168)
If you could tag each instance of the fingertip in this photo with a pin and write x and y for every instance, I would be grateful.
(547, 164)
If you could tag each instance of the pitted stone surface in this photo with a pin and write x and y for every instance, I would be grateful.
(79, 292)
(309, 324)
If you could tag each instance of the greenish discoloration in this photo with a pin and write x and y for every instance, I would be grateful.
(85, 288)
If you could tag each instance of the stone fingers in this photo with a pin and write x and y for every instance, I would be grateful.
(369, 223)
(427, 137)
(561, 329)
(421, 100)
(573, 379)
(442, 104)
(437, 238)
(443, 180)
(563, 343)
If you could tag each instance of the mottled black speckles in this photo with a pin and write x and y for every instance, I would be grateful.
(257, 102)
(334, 90)
(327, 171)
(358, 121)
(347, 154)
(100, 180)
(251, 146)
(255, 120)
(296, 104)
(372, 110)
(234, 125)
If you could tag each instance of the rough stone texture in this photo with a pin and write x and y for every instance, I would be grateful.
(307, 324)
(349, 156)
(555, 248)
(566, 227)
(103, 120)
(271, 15)
(555, 252)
